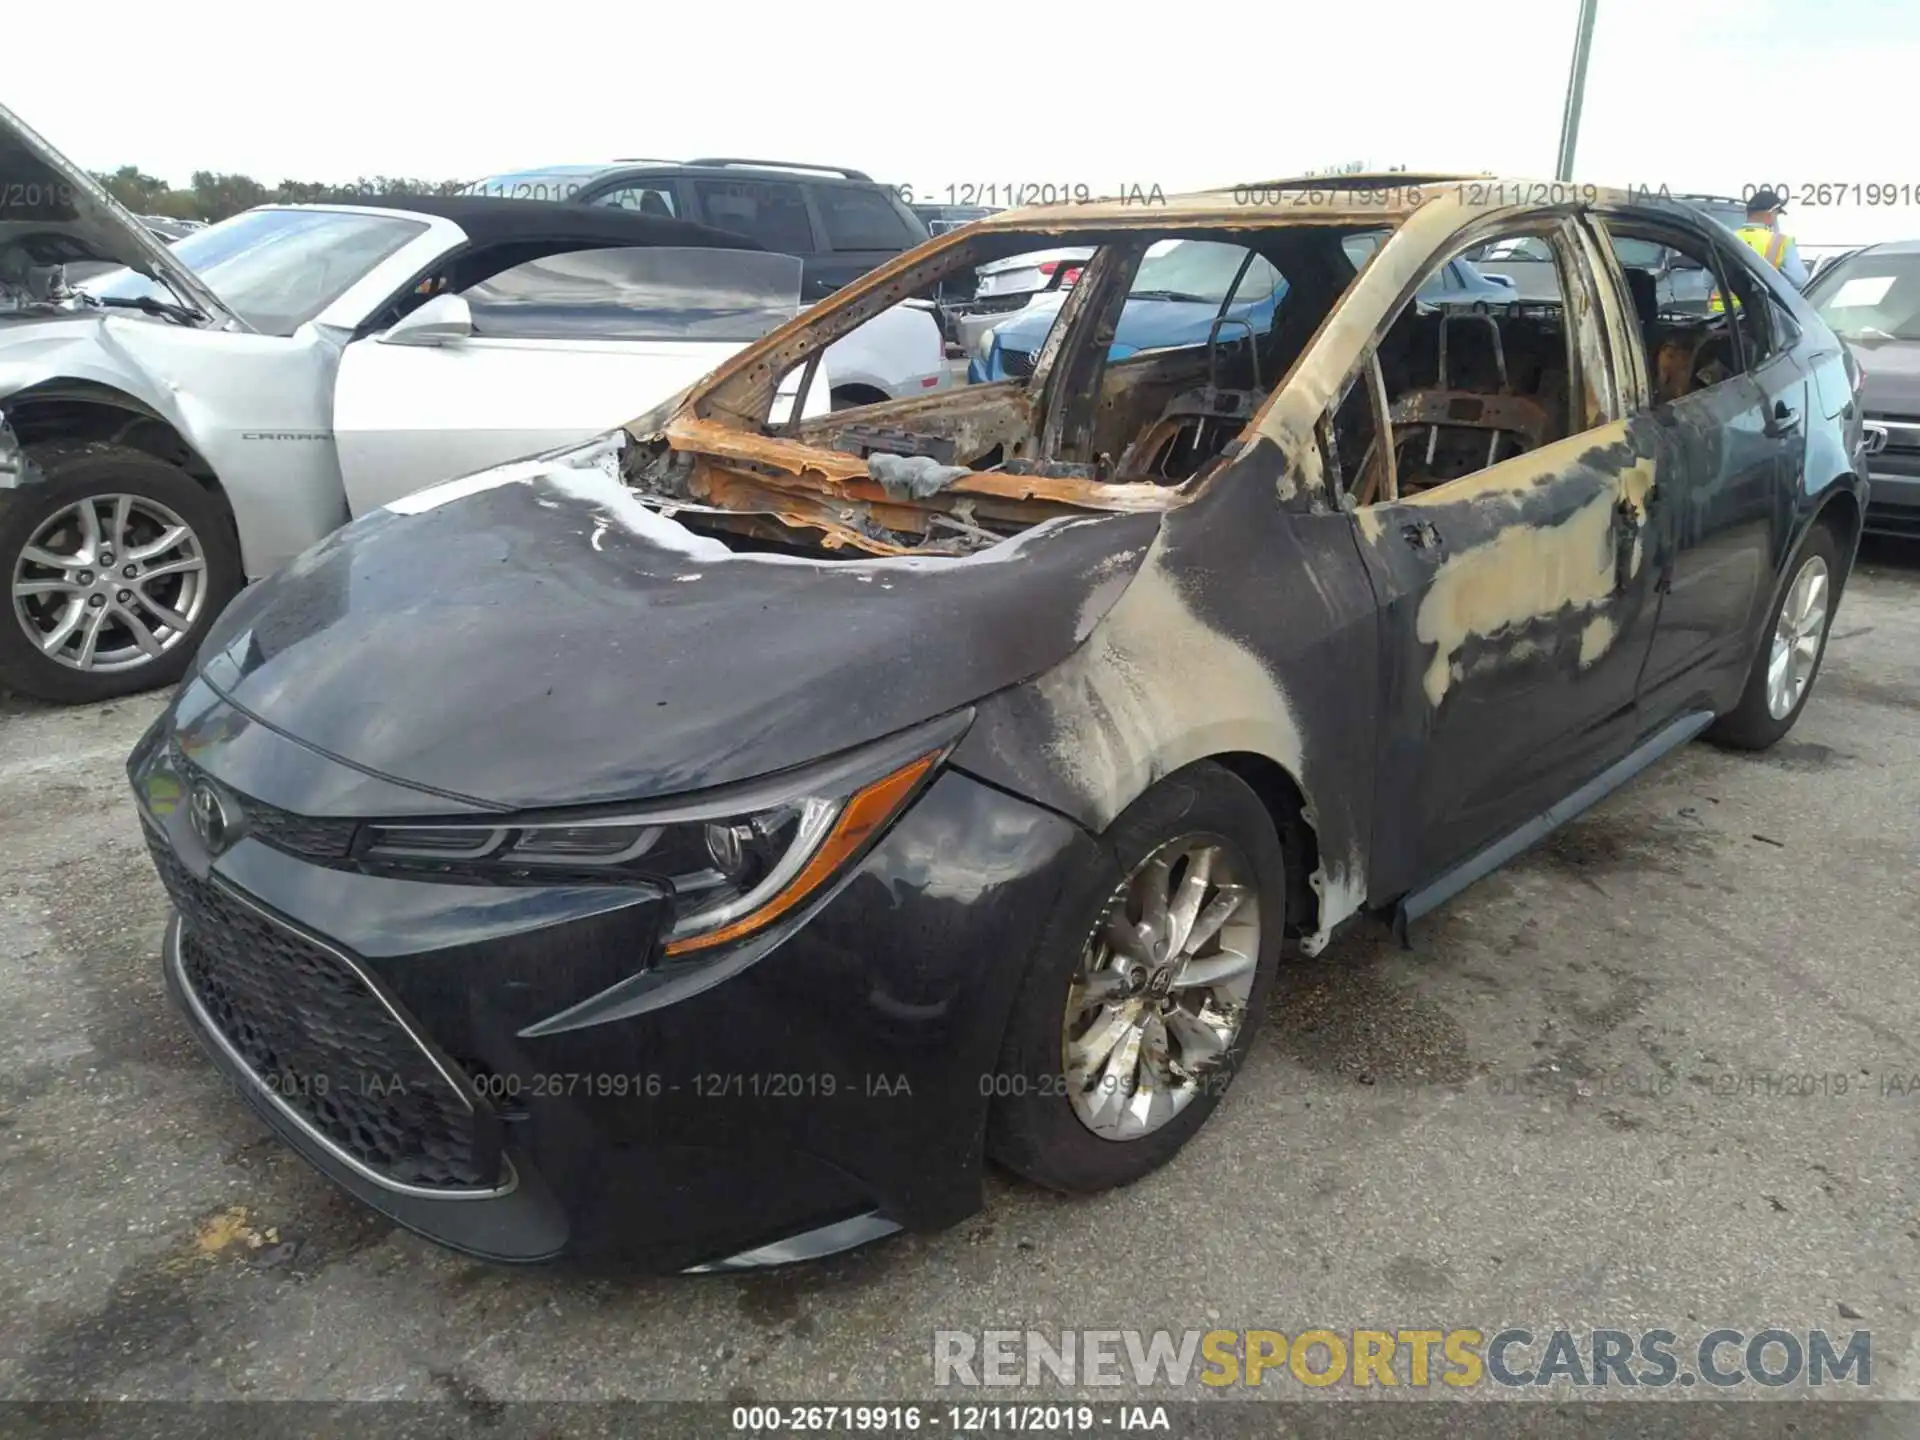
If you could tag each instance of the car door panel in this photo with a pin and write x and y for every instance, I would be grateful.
(1732, 452)
(406, 416)
(1516, 606)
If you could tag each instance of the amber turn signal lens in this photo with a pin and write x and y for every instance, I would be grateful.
(864, 815)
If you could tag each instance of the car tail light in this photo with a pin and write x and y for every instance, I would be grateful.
(1067, 276)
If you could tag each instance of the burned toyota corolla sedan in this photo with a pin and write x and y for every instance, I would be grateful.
(715, 842)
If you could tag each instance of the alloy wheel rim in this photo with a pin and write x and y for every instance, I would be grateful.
(1797, 637)
(109, 583)
(1162, 987)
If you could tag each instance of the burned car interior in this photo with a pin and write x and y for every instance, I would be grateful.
(1088, 425)
(1464, 390)
(1688, 352)
(1457, 391)
(955, 472)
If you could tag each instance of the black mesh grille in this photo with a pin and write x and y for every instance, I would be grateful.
(316, 1036)
(1017, 363)
(301, 834)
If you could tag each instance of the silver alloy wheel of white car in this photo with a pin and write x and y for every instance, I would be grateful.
(110, 583)
(1797, 637)
(1162, 986)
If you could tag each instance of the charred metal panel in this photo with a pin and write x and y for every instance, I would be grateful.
(1244, 632)
(976, 418)
(585, 648)
(1517, 605)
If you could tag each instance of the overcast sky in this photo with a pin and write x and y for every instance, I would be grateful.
(1703, 95)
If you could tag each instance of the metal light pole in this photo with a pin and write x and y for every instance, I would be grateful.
(1576, 89)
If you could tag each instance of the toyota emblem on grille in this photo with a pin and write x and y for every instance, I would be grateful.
(209, 816)
(1876, 439)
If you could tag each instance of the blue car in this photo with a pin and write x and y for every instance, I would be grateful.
(1183, 286)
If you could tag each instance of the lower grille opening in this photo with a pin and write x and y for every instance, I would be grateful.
(318, 1039)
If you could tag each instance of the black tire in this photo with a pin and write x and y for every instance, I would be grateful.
(1750, 725)
(69, 472)
(1034, 1130)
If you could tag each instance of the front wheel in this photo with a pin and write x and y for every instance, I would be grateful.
(117, 564)
(1144, 996)
(1790, 652)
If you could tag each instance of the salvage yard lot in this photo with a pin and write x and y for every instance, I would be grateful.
(1577, 1101)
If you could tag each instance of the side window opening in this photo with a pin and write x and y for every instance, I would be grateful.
(654, 293)
(1143, 372)
(1358, 467)
(656, 200)
(856, 218)
(1690, 338)
(1156, 400)
(1456, 392)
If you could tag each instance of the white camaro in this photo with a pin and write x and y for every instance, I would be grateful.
(177, 428)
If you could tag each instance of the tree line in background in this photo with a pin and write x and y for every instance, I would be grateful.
(213, 196)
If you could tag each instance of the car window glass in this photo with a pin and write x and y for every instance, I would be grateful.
(1179, 288)
(1871, 296)
(277, 269)
(562, 183)
(1197, 272)
(639, 293)
(773, 213)
(858, 219)
(1461, 391)
(643, 199)
(1640, 254)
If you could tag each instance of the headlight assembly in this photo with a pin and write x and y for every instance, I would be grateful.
(730, 863)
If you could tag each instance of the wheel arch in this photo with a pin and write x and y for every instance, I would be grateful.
(1842, 513)
(74, 409)
(1286, 805)
(859, 392)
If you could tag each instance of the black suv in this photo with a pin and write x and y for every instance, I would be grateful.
(839, 222)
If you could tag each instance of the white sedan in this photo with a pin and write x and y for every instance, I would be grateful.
(193, 422)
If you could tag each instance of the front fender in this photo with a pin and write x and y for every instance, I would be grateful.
(76, 360)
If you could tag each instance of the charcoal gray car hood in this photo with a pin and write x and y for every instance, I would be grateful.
(535, 636)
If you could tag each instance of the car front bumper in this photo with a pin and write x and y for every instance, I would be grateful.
(824, 1087)
(1893, 499)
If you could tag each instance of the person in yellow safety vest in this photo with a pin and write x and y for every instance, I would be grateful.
(1763, 233)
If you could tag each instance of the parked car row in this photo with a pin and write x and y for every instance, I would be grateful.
(199, 419)
(838, 221)
(1870, 297)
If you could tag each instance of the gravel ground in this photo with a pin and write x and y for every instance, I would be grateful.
(1546, 1113)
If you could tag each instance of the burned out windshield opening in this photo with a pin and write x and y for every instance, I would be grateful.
(1113, 393)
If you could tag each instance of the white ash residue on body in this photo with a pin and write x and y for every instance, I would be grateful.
(1154, 688)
